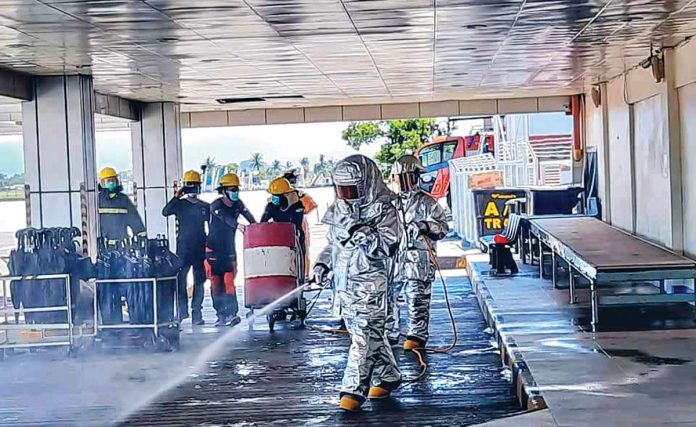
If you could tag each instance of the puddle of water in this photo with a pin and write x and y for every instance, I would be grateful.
(645, 358)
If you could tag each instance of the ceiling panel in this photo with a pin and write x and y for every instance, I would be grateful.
(333, 51)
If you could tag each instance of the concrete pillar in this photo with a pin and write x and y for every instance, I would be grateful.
(673, 133)
(605, 184)
(59, 153)
(157, 164)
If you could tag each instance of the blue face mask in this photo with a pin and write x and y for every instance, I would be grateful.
(275, 200)
(233, 195)
(111, 186)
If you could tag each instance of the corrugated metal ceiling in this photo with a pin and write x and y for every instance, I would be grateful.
(332, 51)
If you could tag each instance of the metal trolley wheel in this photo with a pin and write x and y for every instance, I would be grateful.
(250, 319)
(271, 318)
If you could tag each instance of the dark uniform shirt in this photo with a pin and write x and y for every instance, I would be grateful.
(191, 215)
(293, 214)
(116, 214)
(223, 226)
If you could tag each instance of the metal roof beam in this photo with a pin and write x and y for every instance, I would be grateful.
(16, 85)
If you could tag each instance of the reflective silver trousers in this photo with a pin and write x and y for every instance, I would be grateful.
(371, 361)
(418, 295)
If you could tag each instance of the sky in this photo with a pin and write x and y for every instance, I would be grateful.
(236, 144)
(274, 142)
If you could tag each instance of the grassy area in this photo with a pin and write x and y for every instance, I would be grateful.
(11, 194)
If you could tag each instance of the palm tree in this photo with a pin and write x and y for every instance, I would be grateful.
(319, 167)
(276, 166)
(208, 163)
(304, 162)
(288, 165)
(329, 166)
(257, 161)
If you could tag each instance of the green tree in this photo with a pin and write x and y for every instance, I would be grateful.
(288, 165)
(275, 168)
(398, 137)
(304, 162)
(321, 165)
(257, 163)
(232, 167)
(209, 163)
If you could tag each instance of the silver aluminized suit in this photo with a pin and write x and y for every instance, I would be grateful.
(415, 268)
(363, 239)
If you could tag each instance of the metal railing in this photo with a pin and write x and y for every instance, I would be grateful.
(23, 334)
(154, 281)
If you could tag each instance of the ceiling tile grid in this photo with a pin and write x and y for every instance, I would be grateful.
(314, 52)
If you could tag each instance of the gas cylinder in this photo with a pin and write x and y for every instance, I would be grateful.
(270, 262)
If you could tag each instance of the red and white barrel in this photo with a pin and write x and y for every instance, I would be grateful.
(270, 262)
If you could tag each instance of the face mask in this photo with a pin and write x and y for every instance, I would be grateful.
(275, 200)
(192, 189)
(233, 195)
(111, 186)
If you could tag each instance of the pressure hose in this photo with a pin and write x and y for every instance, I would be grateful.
(311, 306)
(419, 352)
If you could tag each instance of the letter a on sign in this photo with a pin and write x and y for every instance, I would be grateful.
(491, 210)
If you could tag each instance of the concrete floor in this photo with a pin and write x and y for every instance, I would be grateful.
(242, 377)
(292, 377)
(617, 377)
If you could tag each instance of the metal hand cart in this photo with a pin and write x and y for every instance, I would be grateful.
(18, 330)
(164, 334)
(292, 277)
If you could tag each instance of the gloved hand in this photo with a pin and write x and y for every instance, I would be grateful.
(319, 273)
(416, 229)
(362, 235)
(422, 227)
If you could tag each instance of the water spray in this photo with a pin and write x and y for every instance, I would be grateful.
(209, 353)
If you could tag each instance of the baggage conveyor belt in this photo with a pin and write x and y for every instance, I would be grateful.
(607, 256)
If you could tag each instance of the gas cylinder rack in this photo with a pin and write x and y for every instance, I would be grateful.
(41, 324)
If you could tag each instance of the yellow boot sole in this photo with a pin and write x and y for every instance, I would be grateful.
(349, 404)
(377, 393)
(410, 345)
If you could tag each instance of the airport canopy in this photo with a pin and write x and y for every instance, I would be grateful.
(303, 53)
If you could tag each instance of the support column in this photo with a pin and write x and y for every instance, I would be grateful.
(673, 133)
(59, 153)
(606, 156)
(157, 164)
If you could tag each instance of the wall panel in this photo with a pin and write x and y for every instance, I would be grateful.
(652, 178)
(620, 156)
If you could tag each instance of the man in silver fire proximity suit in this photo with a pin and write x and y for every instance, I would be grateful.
(424, 223)
(363, 238)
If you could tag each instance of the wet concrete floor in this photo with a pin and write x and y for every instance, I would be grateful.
(258, 378)
(639, 370)
(291, 377)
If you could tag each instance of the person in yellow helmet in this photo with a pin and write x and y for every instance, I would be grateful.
(117, 215)
(192, 214)
(221, 256)
(285, 206)
(116, 211)
(309, 206)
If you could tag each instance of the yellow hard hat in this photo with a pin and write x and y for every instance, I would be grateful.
(229, 180)
(279, 186)
(192, 176)
(107, 172)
